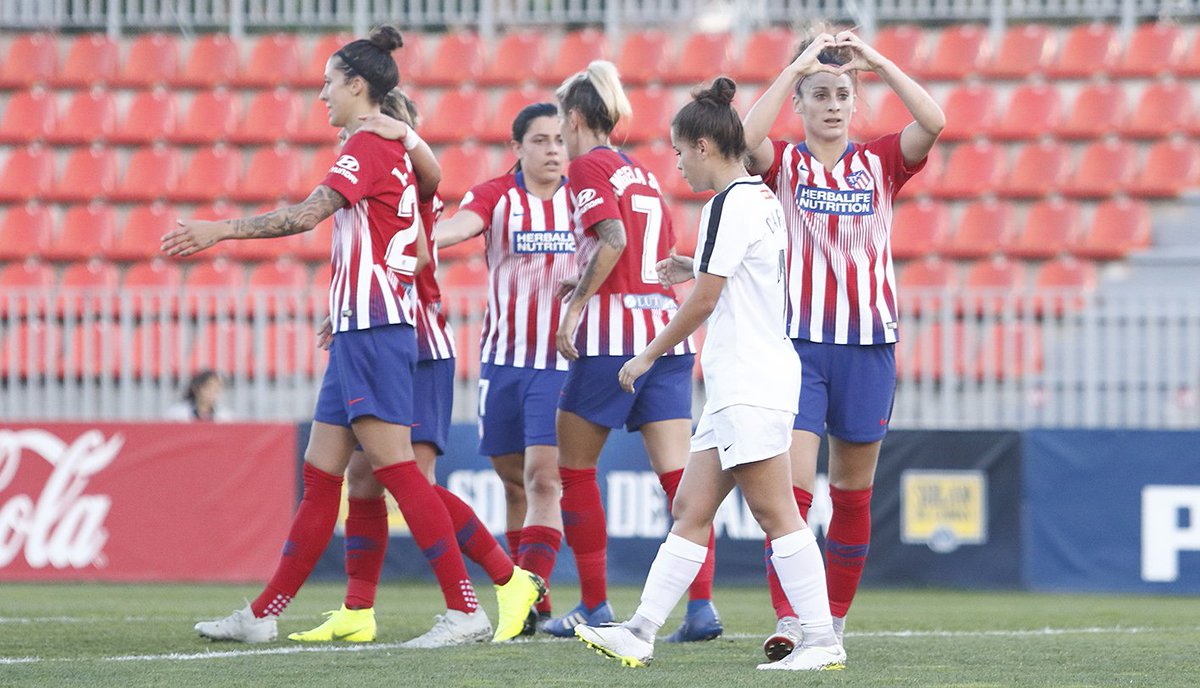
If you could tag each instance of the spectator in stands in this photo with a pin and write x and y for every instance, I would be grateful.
(614, 307)
(366, 398)
(838, 199)
(202, 400)
(752, 382)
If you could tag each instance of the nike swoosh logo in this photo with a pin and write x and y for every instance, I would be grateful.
(354, 401)
(727, 448)
(343, 636)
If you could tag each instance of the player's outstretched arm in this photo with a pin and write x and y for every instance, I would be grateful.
(691, 315)
(464, 225)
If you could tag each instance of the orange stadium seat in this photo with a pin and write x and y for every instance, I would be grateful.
(1033, 110)
(684, 219)
(463, 167)
(1119, 225)
(30, 116)
(1153, 49)
(919, 228)
(644, 57)
(274, 173)
(972, 169)
(151, 116)
(1025, 49)
(458, 115)
(24, 286)
(992, 285)
(28, 173)
(93, 288)
(1049, 228)
(457, 61)
(1163, 109)
(278, 287)
(788, 126)
(318, 167)
(91, 115)
(1099, 108)
(905, 44)
(1087, 50)
(317, 245)
(153, 60)
(1103, 168)
(1060, 284)
(887, 116)
(1041, 168)
(27, 231)
(87, 231)
(32, 59)
(961, 50)
(925, 181)
(313, 127)
(89, 172)
(1189, 63)
(312, 66)
(970, 112)
(274, 59)
(1171, 166)
(702, 57)
(520, 57)
(924, 284)
(91, 59)
(985, 228)
(213, 172)
(144, 227)
(498, 126)
(152, 287)
(212, 116)
(272, 116)
(575, 51)
(213, 288)
(766, 53)
(213, 62)
(152, 174)
(653, 108)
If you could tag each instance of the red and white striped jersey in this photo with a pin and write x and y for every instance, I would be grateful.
(373, 237)
(530, 249)
(841, 283)
(435, 339)
(631, 307)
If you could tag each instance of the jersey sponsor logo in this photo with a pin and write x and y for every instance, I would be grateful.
(587, 199)
(346, 166)
(835, 201)
(543, 242)
(656, 302)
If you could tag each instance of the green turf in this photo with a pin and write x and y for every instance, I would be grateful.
(141, 635)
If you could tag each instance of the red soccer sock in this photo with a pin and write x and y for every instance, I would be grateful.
(312, 527)
(701, 587)
(474, 539)
(539, 549)
(366, 544)
(432, 530)
(586, 532)
(514, 543)
(779, 600)
(846, 545)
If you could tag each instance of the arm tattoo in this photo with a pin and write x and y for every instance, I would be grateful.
(611, 234)
(303, 216)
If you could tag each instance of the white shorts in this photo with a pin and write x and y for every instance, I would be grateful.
(744, 434)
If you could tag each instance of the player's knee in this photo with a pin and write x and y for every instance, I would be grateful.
(543, 483)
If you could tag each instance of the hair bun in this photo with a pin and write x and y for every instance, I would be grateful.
(719, 93)
(386, 37)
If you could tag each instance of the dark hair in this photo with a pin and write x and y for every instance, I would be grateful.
(711, 115)
(596, 94)
(398, 105)
(524, 118)
(829, 56)
(371, 58)
(198, 380)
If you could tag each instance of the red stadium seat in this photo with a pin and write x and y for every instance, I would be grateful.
(214, 288)
(87, 231)
(702, 57)
(1060, 285)
(279, 287)
(972, 169)
(1051, 225)
(313, 127)
(644, 57)
(919, 228)
(91, 59)
(907, 45)
(1087, 50)
(925, 284)
(961, 50)
(30, 116)
(788, 126)
(32, 59)
(90, 289)
(459, 115)
(312, 67)
(273, 116)
(27, 231)
(224, 346)
(1189, 64)
(992, 286)
(575, 51)
(318, 167)
(212, 116)
(153, 60)
(274, 60)
(653, 107)
(685, 218)
(212, 62)
(274, 173)
(1172, 166)
(498, 126)
(1033, 110)
(1103, 168)
(984, 229)
(930, 353)
(463, 167)
(457, 61)
(1025, 49)
(766, 53)
(1119, 226)
(89, 172)
(659, 158)
(1040, 168)
(28, 173)
(1154, 49)
(317, 245)
(152, 174)
(925, 181)
(25, 287)
(1164, 108)
(156, 349)
(152, 116)
(144, 227)
(970, 112)
(1099, 108)
(152, 288)
(89, 117)
(214, 172)
(520, 58)
(888, 116)
(1005, 351)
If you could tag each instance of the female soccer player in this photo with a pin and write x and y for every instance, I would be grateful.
(842, 315)
(433, 382)
(752, 381)
(623, 229)
(366, 396)
(525, 217)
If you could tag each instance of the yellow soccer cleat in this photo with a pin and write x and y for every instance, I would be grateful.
(514, 599)
(350, 625)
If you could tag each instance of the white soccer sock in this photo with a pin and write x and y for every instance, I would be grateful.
(674, 568)
(801, 572)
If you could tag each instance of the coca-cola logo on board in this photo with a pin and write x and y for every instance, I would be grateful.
(61, 527)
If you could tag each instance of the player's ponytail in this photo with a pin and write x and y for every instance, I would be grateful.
(371, 58)
(711, 116)
(397, 105)
(597, 95)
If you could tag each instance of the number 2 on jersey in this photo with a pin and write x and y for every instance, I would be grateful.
(407, 208)
(651, 207)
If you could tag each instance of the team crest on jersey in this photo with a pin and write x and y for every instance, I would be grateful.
(543, 242)
(860, 180)
(835, 201)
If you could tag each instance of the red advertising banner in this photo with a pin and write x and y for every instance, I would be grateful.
(144, 502)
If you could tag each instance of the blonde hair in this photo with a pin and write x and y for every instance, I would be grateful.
(596, 93)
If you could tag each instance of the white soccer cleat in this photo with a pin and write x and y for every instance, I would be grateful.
(788, 634)
(241, 626)
(454, 628)
(810, 658)
(618, 642)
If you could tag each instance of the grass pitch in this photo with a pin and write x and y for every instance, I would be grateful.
(141, 635)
